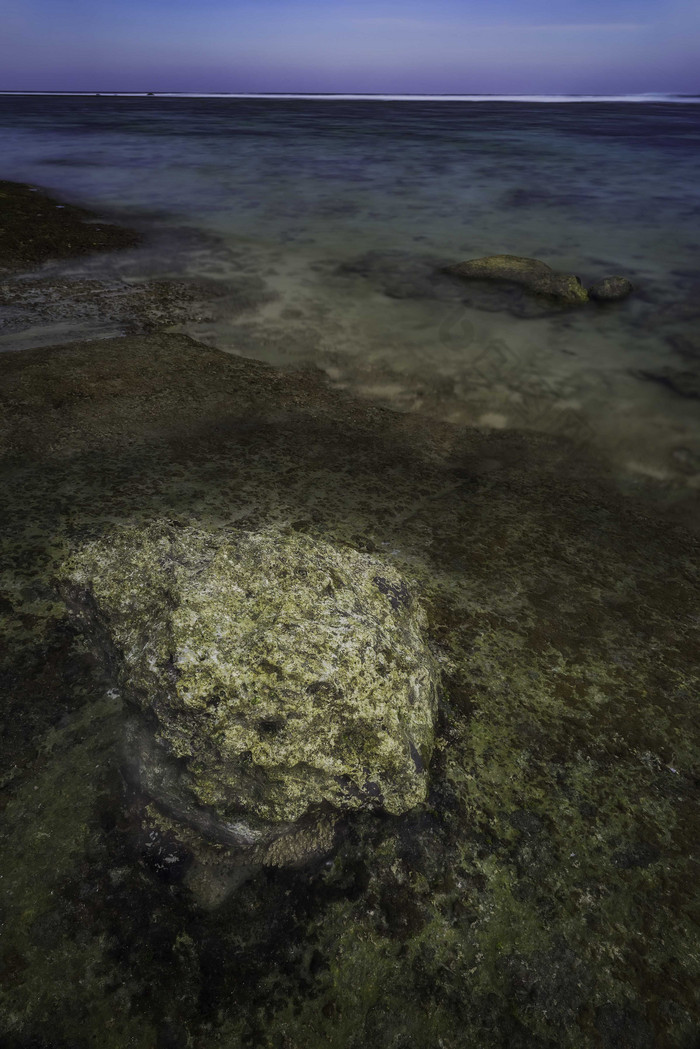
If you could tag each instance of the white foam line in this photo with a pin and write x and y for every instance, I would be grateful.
(651, 97)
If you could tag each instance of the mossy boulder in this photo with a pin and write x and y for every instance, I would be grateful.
(611, 289)
(269, 676)
(531, 274)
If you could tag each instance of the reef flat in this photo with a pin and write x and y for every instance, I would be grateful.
(67, 274)
(545, 891)
(35, 228)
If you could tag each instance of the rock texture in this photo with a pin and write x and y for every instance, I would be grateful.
(35, 228)
(131, 306)
(531, 274)
(611, 289)
(410, 275)
(269, 675)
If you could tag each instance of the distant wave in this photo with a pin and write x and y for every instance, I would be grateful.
(650, 97)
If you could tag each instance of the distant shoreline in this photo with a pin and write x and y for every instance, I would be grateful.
(650, 98)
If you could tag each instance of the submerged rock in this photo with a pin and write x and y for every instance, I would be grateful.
(531, 274)
(611, 289)
(685, 382)
(405, 275)
(270, 677)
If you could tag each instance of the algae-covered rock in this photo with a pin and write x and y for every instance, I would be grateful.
(531, 274)
(411, 275)
(268, 674)
(611, 289)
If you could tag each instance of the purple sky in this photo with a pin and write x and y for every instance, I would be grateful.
(416, 46)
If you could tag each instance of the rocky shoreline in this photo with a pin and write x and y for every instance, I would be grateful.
(66, 274)
(539, 893)
(36, 228)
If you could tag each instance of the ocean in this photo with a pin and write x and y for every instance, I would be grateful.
(323, 220)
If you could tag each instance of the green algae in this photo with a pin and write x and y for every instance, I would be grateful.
(50, 831)
(535, 276)
(543, 894)
(286, 673)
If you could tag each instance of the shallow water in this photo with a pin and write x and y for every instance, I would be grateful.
(289, 190)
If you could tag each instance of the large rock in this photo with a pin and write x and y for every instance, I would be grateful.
(531, 274)
(406, 275)
(269, 676)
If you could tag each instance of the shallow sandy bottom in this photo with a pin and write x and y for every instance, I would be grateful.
(292, 196)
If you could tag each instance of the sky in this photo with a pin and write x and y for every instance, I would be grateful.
(373, 46)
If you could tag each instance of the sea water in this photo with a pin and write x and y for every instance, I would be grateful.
(331, 205)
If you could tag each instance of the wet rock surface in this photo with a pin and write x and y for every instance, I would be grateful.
(52, 291)
(611, 289)
(404, 275)
(130, 306)
(35, 228)
(523, 287)
(532, 274)
(541, 894)
(269, 675)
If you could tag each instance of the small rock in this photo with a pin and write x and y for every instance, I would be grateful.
(611, 289)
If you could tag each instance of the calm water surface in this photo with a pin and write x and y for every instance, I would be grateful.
(289, 197)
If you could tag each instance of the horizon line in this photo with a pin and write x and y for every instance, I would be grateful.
(648, 96)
